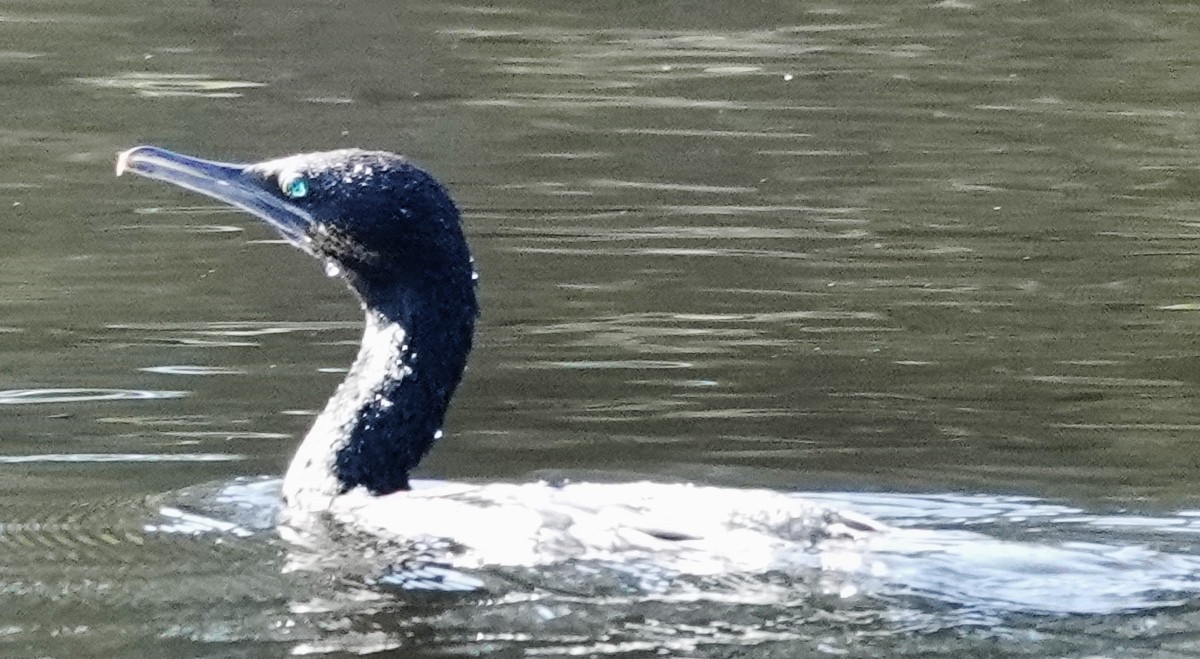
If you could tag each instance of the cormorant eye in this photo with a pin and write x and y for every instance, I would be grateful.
(293, 185)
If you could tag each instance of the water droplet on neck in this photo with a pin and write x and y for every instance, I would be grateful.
(332, 269)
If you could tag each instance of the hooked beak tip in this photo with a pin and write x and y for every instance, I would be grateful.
(231, 183)
(123, 161)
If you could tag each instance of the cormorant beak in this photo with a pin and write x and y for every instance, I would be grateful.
(234, 184)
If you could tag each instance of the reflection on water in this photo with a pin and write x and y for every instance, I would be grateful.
(46, 396)
(192, 369)
(881, 247)
(173, 84)
(1007, 596)
(116, 457)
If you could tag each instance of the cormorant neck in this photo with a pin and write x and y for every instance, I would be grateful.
(388, 412)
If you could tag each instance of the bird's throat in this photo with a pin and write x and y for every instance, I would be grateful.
(388, 412)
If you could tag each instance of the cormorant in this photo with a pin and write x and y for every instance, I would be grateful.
(391, 231)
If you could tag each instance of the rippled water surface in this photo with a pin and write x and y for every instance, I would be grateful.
(935, 262)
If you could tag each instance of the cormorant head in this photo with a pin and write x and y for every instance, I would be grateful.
(372, 216)
(392, 232)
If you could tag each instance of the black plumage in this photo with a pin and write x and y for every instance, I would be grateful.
(392, 232)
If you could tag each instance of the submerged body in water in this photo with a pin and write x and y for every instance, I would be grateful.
(392, 233)
(690, 529)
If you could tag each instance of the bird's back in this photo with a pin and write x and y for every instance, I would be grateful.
(693, 529)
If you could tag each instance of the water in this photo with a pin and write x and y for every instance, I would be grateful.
(933, 261)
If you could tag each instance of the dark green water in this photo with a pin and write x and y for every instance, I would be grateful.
(885, 247)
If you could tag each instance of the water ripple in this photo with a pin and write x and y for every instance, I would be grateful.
(188, 369)
(240, 328)
(1098, 381)
(225, 434)
(40, 396)
(203, 209)
(173, 84)
(632, 364)
(180, 228)
(119, 457)
(673, 187)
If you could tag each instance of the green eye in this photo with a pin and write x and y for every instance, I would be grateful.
(293, 185)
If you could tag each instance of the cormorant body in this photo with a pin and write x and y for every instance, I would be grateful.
(391, 231)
